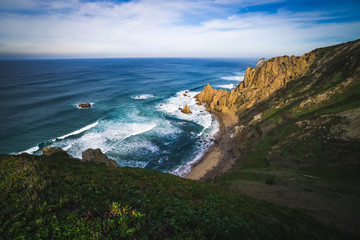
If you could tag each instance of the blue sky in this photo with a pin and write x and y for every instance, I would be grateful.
(177, 28)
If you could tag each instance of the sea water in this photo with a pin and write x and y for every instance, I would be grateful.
(134, 118)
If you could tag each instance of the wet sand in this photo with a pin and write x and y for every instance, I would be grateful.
(217, 159)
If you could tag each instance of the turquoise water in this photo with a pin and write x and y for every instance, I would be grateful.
(134, 118)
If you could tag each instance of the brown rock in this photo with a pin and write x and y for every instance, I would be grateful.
(186, 109)
(84, 105)
(112, 163)
(258, 84)
(48, 151)
(96, 156)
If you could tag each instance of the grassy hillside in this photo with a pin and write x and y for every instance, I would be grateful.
(58, 197)
(306, 145)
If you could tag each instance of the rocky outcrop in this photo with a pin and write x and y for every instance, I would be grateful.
(258, 84)
(84, 105)
(236, 130)
(96, 156)
(48, 151)
(186, 109)
(260, 62)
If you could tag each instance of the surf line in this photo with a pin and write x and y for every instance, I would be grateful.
(132, 134)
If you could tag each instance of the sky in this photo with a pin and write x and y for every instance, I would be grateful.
(173, 28)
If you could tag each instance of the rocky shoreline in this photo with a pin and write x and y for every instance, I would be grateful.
(89, 155)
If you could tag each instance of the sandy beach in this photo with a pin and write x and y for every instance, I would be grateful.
(217, 159)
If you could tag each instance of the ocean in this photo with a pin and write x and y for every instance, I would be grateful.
(134, 118)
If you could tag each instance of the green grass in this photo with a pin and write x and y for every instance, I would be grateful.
(346, 174)
(60, 198)
(256, 157)
(243, 175)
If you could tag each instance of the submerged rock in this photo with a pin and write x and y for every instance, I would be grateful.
(96, 156)
(84, 105)
(186, 109)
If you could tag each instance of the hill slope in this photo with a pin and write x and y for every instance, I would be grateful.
(297, 126)
(55, 197)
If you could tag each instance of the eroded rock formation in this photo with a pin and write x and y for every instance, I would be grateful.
(96, 156)
(258, 84)
(48, 151)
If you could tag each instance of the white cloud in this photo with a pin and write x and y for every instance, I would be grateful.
(163, 29)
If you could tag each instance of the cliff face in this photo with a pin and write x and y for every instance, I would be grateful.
(298, 121)
(258, 84)
(269, 76)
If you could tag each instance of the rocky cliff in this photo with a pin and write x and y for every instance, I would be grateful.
(268, 77)
(298, 130)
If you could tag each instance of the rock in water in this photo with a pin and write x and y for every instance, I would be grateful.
(186, 109)
(84, 105)
(48, 151)
(96, 156)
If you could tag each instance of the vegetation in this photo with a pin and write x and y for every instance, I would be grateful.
(301, 136)
(58, 197)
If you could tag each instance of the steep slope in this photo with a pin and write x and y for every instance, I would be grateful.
(298, 129)
(57, 197)
(261, 82)
(258, 83)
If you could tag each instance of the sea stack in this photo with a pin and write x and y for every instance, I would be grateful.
(186, 109)
(84, 105)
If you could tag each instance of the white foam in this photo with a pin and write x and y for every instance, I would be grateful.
(143, 96)
(138, 146)
(132, 129)
(108, 136)
(199, 113)
(79, 131)
(228, 86)
(30, 150)
(127, 163)
(234, 78)
(204, 144)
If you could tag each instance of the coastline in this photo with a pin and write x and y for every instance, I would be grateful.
(217, 159)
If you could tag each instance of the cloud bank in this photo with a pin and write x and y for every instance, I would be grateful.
(160, 28)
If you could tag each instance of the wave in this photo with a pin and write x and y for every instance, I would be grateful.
(108, 136)
(135, 129)
(199, 114)
(143, 96)
(30, 150)
(204, 144)
(79, 131)
(228, 86)
(33, 150)
(234, 78)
